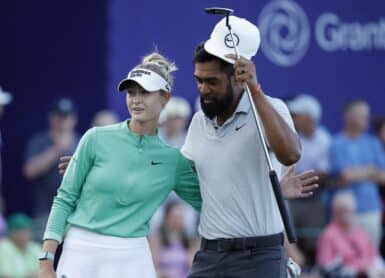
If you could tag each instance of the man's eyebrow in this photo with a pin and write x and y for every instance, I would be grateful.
(208, 79)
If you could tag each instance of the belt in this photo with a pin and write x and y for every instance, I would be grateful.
(245, 243)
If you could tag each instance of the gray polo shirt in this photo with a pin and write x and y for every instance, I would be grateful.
(238, 200)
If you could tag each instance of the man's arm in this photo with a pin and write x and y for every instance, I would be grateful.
(282, 139)
(41, 163)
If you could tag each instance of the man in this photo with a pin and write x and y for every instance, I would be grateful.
(240, 224)
(43, 152)
(358, 160)
(309, 213)
(344, 248)
(315, 140)
(18, 254)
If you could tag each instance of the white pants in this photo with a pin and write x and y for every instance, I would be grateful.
(90, 255)
(371, 222)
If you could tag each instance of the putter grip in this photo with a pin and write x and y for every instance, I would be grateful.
(286, 218)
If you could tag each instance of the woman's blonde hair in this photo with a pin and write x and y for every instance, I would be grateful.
(159, 64)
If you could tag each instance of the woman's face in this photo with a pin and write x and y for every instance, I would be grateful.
(145, 106)
(174, 219)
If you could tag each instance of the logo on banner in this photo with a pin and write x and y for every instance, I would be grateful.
(285, 32)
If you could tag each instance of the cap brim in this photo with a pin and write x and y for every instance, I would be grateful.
(220, 52)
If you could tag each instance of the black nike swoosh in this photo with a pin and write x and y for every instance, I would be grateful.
(239, 127)
(155, 163)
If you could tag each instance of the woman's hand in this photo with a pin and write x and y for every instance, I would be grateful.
(46, 269)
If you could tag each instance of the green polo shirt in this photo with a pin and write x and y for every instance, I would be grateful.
(115, 182)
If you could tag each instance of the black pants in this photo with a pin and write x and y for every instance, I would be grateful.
(240, 258)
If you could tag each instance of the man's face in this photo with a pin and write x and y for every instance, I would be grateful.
(344, 215)
(63, 123)
(358, 117)
(21, 238)
(304, 124)
(214, 86)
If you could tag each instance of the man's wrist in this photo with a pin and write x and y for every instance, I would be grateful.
(256, 89)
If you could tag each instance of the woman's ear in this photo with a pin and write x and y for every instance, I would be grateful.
(165, 98)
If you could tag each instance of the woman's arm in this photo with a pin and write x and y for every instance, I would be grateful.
(70, 189)
(46, 269)
(187, 183)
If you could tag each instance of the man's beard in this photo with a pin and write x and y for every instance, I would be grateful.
(218, 106)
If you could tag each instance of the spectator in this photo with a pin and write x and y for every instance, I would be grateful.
(171, 249)
(358, 161)
(379, 129)
(42, 156)
(315, 141)
(104, 117)
(5, 99)
(3, 225)
(174, 121)
(344, 248)
(18, 254)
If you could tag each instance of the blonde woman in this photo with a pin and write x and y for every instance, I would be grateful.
(119, 175)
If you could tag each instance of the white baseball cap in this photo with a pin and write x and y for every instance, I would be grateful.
(246, 37)
(306, 105)
(5, 97)
(148, 79)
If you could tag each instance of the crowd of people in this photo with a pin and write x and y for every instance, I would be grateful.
(339, 227)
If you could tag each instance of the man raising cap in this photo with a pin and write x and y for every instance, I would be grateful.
(240, 224)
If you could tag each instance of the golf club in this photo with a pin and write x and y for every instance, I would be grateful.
(286, 218)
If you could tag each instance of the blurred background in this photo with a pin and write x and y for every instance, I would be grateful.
(60, 63)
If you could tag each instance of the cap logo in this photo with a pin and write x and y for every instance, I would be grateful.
(229, 42)
(139, 73)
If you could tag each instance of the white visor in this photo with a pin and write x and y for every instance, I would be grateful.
(148, 79)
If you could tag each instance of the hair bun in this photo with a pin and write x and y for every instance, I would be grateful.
(161, 65)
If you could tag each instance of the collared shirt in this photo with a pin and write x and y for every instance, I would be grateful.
(238, 200)
(362, 151)
(353, 248)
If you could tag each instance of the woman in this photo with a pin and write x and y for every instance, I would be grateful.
(118, 177)
(171, 247)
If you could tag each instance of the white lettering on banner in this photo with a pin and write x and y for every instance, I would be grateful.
(332, 34)
(285, 33)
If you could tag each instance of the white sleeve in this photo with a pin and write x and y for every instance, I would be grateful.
(187, 148)
(283, 111)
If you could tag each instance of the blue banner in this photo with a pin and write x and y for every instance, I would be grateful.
(334, 50)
